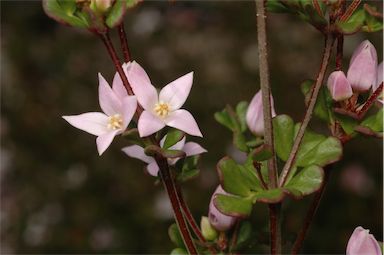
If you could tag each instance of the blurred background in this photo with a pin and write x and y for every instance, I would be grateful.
(59, 196)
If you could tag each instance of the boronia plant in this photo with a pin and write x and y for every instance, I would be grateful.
(285, 159)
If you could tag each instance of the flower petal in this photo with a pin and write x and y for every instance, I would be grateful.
(379, 78)
(118, 87)
(109, 102)
(135, 151)
(103, 141)
(149, 124)
(176, 92)
(129, 109)
(153, 168)
(184, 121)
(94, 123)
(177, 146)
(361, 242)
(137, 69)
(145, 92)
(192, 149)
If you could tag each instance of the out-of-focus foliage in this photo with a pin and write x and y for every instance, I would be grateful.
(58, 195)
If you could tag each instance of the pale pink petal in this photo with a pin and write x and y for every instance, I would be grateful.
(138, 70)
(179, 145)
(361, 242)
(184, 121)
(109, 102)
(218, 220)
(94, 123)
(118, 87)
(176, 92)
(129, 109)
(192, 149)
(103, 141)
(149, 124)
(153, 168)
(135, 151)
(379, 78)
(145, 92)
(339, 86)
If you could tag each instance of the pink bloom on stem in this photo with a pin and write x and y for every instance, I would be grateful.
(162, 109)
(190, 149)
(361, 243)
(339, 86)
(379, 80)
(118, 109)
(363, 67)
(218, 220)
(255, 115)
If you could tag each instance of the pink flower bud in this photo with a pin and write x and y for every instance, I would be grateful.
(339, 86)
(363, 67)
(361, 242)
(218, 220)
(255, 116)
(379, 78)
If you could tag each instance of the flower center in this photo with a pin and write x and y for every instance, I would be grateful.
(115, 122)
(162, 109)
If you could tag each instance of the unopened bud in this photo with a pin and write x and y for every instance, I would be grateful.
(218, 220)
(339, 86)
(255, 115)
(101, 6)
(361, 242)
(363, 67)
(207, 230)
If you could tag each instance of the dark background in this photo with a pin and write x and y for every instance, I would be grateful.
(59, 196)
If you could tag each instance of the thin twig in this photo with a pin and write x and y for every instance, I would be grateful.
(370, 101)
(308, 114)
(124, 43)
(275, 228)
(171, 191)
(351, 9)
(256, 165)
(311, 213)
(191, 221)
(339, 52)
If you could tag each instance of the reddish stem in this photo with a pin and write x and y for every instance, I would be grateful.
(351, 9)
(274, 228)
(310, 213)
(172, 194)
(370, 101)
(339, 52)
(124, 42)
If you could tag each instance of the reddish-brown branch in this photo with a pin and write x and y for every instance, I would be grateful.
(311, 213)
(350, 10)
(370, 101)
(274, 228)
(339, 52)
(124, 43)
(172, 194)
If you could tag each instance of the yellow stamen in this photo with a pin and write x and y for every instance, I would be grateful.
(115, 122)
(162, 109)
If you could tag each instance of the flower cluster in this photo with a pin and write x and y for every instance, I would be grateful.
(363, 74)
(160, 110)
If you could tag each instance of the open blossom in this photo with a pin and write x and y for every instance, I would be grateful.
(255, 115)
(118, 109)
(339, 86)
(190, 149)
(363, 67)
(162, 109)
(362, 242)
(218, 220)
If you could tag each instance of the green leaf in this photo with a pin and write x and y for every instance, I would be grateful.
(175, 236)
(224, 119)
(239, 141)
(241, 111)
(116, 14)
(261, 153)
(283, 131)
(172, 137)
(276, 6)
(347, 123)
(179, 251)
(372, 24)
(233, 206)
(188, 167)
(255, 142)
(207, 230)
(152, 150)
(132, 3)
(374, 122)
(63, 14)
(307, 181)
(244, 234)
(236, 179)
(270, 196)
(353, 24)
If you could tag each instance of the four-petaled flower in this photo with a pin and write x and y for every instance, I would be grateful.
(162, 109)
(190, 149)
(118, 110)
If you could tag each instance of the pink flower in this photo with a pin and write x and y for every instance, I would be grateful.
(218, 220)
(118, 110)
(361, 242)
(255, 115)
(363, 67)
(190, 149)
(162, 109)
(379, 80)
(339, 86)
